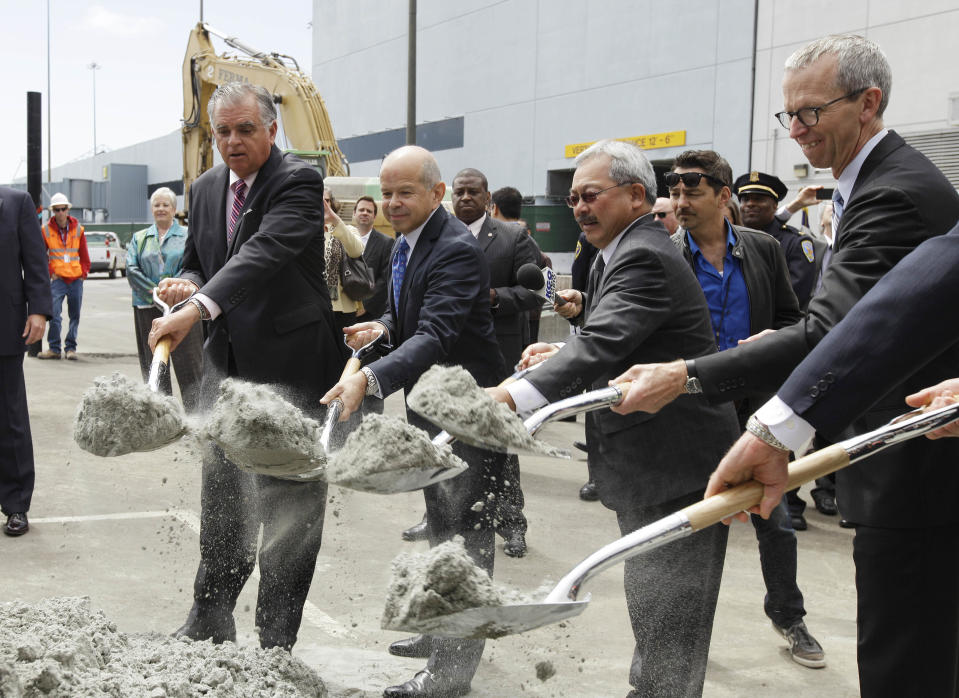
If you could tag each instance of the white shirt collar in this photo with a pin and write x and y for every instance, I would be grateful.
(847, 180)
(413, 236)
(477, 225)
(249, 179)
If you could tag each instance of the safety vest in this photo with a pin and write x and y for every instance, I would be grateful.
(64, 258)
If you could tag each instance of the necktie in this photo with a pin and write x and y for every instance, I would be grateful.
(837, 204)
(239, 197)
(399, 270)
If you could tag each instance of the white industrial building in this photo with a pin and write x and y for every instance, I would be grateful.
(516, 87)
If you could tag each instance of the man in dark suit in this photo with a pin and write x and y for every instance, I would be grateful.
(507, 248)
(438, 312)
(376, 254)
(642, 300)
(253, 268)
(26, 307)
(890, 199)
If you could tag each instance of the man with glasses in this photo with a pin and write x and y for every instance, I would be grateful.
(642, 301)
(889, 199)
(69, 266)
(663, 210)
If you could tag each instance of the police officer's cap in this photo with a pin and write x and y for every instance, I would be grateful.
(760, 183)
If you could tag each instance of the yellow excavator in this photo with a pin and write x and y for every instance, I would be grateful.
(303, 116)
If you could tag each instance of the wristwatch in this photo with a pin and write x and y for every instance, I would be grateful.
(372, 385)
(693, 386)
(204, 313)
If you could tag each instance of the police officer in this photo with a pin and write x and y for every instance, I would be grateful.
(759, 195)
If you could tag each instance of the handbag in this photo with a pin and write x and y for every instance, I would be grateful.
(356, 277)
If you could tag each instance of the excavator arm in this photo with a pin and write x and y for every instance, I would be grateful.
(302, 111)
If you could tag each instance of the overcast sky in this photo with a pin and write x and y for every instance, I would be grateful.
(140, 46)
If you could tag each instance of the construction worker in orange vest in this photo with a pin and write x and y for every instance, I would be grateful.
(69, 266)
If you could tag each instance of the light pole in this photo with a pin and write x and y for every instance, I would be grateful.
(94, 67)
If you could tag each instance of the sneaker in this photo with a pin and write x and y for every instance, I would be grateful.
(48, 354)
(802, 646)
(71, 355)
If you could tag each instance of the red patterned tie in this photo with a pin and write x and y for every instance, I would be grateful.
(239, 197)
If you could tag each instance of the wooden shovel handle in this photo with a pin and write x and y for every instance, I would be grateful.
(352, 366)
(162, 351)
(749, 494)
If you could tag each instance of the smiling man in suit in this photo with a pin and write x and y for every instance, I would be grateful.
(376, 254)
(889, 199)
(253, 270)
(642, 300)
(438, 312)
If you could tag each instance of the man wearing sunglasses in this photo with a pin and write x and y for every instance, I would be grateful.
(663, 210)
(889, 199)
(69, 266)
(642, 300)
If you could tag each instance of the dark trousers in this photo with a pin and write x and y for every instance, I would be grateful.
(509, 500)
(234, 506)
(671, 595)
(777, 557)
(187, 358)
(73, 292)
(16, 442)
(908, 613)
(449, 512)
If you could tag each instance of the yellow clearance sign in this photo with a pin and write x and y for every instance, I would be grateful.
(648, 142)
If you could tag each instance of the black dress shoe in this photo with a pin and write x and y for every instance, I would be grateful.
(581, 445)
(218, 627)
(420, 646)
(427, 685)
(17, 524)
(798, 521)
(846, 523)
(825, 502)
(589, 492)
(417, 532)
(515, 544)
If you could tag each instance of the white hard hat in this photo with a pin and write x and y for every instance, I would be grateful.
(59, 199)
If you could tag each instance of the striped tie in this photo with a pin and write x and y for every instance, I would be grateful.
(239, 197)
(399, 270)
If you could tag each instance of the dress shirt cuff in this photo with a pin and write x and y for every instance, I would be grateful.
(783, 214)
(211, 305)
(791, 429)
(525, 396)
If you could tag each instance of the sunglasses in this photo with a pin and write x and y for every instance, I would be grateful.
(690, 179)
(660, 214)
(589, 197)
(60, 209)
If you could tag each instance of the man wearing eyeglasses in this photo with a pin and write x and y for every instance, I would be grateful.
(69, 266)
(642, 301)
(889, 199)
(663, 210)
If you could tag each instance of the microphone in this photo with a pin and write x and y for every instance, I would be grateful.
(542, 282)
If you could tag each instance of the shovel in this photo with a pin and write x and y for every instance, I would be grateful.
(562, 602)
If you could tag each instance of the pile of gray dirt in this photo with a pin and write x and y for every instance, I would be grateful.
(60, 648)
(449, 397)
(262, 432)
(381, 445)
(119, 416)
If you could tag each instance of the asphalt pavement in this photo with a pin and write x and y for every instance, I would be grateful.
(123, 531)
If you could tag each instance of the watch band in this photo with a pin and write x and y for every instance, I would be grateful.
(372, 385)
(204, 313)
(693, 385)
(761, 431)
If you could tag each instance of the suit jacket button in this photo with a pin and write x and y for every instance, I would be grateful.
(814, 392)
(829, 377)
(823, 385)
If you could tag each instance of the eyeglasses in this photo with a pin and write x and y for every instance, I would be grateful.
(59, 209)
(809, 116)
(690, 179)
(589, 197)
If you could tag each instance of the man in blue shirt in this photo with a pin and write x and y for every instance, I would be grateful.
(745, 280)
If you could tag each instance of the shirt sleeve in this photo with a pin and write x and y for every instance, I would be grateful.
(791, 429)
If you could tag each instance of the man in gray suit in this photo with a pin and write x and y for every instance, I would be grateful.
(642, 300)
(253, 270)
